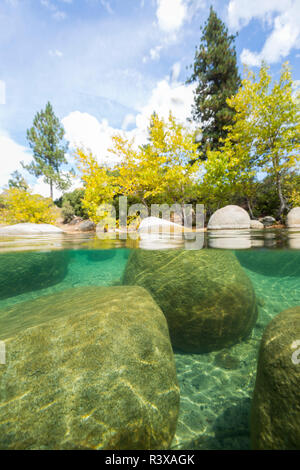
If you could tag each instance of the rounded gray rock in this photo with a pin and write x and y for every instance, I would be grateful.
(293, 218)
(256, 224)
(92, 368)
(229, 217)
(30, 229)
(275, 413)
(206, 296)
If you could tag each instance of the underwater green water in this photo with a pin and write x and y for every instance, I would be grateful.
(215, 387)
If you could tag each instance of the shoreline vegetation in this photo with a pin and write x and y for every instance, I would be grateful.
(240, 147)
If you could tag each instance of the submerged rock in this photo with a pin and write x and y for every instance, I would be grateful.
(206, 296)
(98, 374)
(225, 360)
(275, 415)
(229, 217)
(27, 271)
(277, 263)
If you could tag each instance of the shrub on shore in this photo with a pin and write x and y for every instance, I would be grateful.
(19, 206)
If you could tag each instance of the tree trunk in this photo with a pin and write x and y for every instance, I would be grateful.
(281, 198)
(250, 208)
(51, 189)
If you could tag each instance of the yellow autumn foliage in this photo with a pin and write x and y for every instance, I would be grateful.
(295, 198)
(263, 138)
(160, 169)
(163, 167)
(19, 206)
(100, 186)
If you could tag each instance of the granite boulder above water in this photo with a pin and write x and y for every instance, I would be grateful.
(206, 296)
(94, 369)
(30, 229)
(293, 218)
(229, 217)
(256, 225)
(275, 415)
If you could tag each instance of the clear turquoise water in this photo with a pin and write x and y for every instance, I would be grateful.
(216, 387)
(85, 268)
(216, 391)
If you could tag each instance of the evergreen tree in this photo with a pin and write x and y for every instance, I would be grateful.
(46, 140)
(216, 74)
(17, 181)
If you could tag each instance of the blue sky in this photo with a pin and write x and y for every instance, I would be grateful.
(105, 65)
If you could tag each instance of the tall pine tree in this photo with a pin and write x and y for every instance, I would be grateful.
(216, 74)
(46, 140)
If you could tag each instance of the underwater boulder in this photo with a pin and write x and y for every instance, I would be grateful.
(277, 263)
(99, 374)
(206, 296)
(22, 272)
(275, 413)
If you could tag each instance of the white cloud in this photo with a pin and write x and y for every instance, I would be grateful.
(86, 131)
(171, 14)
(241, 12)
(55, 12)
(283, 16)
(55, 53)
(59, 15)
(127, 121)
(106, 5)
(154, 54)
(11, 156)
(175, 72)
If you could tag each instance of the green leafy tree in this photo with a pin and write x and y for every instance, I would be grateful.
(46, 140)
(17, 181)
(68, 212)
(73, 199)
(216, 75)
(263, 138)
(162, 168)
